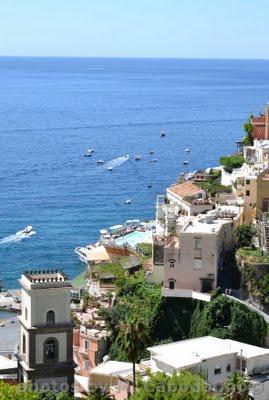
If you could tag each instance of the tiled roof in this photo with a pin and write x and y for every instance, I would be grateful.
(185, 189)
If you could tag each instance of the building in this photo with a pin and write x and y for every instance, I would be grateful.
(90, 346)
(216, 359)
(260, 125)
(46, 334)
(193, 260)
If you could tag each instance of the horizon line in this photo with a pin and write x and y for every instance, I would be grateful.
(138, 57)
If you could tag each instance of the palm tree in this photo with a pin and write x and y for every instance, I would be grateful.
(132, 339)
(236, 388)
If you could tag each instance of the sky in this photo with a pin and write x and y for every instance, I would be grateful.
(135, 28)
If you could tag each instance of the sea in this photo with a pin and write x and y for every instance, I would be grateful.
(53, 109)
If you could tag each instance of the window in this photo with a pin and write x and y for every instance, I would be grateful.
(23, 343)
(217, 371)
(172, 284)
(228, 368)
(86, 365)
(172, 263)
(247, 192)
(51, 350)
(197, 263)
(86, 345)
(197, 243)
(26, 314)
(50, 317)
(247, 181)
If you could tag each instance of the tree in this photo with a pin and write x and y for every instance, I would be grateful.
(160, 386)
(243, 235)
(231, 162)
(132, 339)
(248, 128)
(236, 388)
(25, 392)
(98, 394)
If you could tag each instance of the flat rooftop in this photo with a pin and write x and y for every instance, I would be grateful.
(193, 351)
(199, 224)
(44, 279)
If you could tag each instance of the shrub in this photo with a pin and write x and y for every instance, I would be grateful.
(231, 162)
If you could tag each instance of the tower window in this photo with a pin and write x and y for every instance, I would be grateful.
(172, 284)
(23, 343)
(50, 317)
(171, 263)
(51, 350)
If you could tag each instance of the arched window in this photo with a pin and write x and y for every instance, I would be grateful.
(23, 344)
(51, 350)
(172, 284)
(172, 263)
(50, 317)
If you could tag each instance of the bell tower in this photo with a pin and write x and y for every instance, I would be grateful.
(46, 334)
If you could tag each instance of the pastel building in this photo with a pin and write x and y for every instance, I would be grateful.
(194, 258)
(260, 125)
(216, 359)
(46, 333)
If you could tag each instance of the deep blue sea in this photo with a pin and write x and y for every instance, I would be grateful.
(53, 109)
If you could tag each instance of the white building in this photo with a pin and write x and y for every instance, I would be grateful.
(216, 359)
(46, 332)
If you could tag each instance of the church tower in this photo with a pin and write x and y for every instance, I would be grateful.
(46, 334)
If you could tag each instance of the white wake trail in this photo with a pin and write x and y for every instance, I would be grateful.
(20, 235)
(116, 162)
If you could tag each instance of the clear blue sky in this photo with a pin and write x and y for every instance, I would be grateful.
(135, 28)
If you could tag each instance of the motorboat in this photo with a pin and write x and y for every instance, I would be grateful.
(151, 152)
(110, 168)
(137, 157)
(149, 185)
(89, 152)
(28, 229)
(153, 160)
(128, 201)
(162, 134)
(100, 162)
(187, 150)
(185, 162)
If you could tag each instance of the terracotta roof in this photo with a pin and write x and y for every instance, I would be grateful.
(185, 189)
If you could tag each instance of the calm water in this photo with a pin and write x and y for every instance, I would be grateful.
(52, 110)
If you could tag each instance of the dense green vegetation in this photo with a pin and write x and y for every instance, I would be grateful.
(145, 249)
(255, 272)
(24, 392)
(236, 388)
(231, 162)
(248, 128)
(172, 319)
(253, 254)
(227, 319)
(185, 386)
(243, 235)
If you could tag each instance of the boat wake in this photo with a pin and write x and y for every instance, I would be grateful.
(20, 235)
(116, 162)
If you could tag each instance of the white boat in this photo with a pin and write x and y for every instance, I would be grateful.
(100, 162)
(153, 160)
(162, 134)
(185, 162)
(128, 201)
(187, 150)
(151, 152)
(110, 169)
(89, 152)
(28, 229)
(137, 157)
